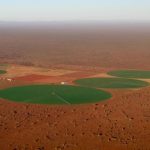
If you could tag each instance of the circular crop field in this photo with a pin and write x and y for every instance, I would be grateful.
(131, 74)
(2, 71)
(54, 94)
(111, 83)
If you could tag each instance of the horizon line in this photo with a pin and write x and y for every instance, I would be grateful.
(76, 20)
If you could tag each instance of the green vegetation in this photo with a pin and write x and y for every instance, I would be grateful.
(3, 65)
(2, 71)
(111, 83)
(54, 94)
(131, 74)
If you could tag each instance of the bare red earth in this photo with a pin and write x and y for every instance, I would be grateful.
(32, 77)
(121, 123)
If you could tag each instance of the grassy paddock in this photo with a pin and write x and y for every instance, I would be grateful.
(2, 71)
(54, 94)
(131, 74)
(111, 83)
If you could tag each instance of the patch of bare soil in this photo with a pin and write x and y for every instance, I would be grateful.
(50, 76)
(21, 70)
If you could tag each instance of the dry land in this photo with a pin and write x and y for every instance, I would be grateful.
(52, 54)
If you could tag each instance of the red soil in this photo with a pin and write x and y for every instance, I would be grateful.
(32, 77)
(53, 79)
(121, 123)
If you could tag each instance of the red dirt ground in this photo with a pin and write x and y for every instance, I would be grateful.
(101, 45)
(121, 123)
(32, 78)
(53, 79)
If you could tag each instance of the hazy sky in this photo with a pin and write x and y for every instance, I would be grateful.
(47, 10)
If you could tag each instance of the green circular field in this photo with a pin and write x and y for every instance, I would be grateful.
(111, 83)
(131, 74)
(2, 71)
(54, 94)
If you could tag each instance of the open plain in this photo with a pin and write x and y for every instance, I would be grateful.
(58, 55)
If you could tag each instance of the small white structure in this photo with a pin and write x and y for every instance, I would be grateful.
(9, 79)
(62, 83)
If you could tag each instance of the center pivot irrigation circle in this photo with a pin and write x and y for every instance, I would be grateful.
(111, 83)
(2, 71)
(54, 94)
(143, 74)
